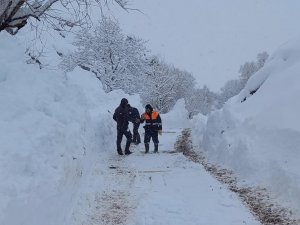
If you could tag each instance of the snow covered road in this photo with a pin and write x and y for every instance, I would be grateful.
(161, 189)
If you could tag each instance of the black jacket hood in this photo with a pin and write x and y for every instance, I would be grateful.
(124, 102)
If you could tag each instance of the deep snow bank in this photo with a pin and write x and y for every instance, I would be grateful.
(52, 128)
(177, 117)
(260, 138)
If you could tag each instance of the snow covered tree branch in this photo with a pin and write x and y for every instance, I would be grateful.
(233, 87)
(118, 61)
(200, 101)
(204, 101)
(123, 62)
(61, 14)
(164, 85)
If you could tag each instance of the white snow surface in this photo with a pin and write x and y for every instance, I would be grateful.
(58, 160)
(259, 138)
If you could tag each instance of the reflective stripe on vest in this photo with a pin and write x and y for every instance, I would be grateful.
(154, 116)
(159, 124)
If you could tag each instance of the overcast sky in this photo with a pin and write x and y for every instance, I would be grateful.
(212, 38)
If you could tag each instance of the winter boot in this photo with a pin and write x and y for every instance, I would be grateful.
(146, 147)
(128, 142)
(155, 148)
(120, 151)
(138, 139)
(128, 152)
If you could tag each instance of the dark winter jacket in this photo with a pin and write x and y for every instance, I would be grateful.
(134, 113)
(121, 115)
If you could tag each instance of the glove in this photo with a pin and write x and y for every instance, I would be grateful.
(160, 132)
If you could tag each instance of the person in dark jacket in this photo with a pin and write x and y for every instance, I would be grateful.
(135, 116)
(153, 127)
(121, 116)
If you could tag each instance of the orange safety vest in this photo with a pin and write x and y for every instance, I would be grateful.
(154, 116)
(152, 122)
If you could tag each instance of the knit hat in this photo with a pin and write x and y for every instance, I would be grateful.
(148, 106)
(124, 102)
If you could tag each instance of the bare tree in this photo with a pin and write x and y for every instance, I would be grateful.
(60, 14)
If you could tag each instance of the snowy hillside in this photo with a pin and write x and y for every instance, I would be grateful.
(258, 136)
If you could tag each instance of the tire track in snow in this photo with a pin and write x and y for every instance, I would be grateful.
(115, 203)
(257, 199)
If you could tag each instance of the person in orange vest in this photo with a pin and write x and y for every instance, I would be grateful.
(153, 127)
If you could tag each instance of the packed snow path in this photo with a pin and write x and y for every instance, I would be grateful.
(164, 188)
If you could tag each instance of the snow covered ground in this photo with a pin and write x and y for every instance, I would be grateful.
(57, 158)
(258, 136)
(58, 162)
(162, 188)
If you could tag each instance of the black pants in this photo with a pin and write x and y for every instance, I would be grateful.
(151, 134)
(136, 135)
(148, 135)
(120, 134)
